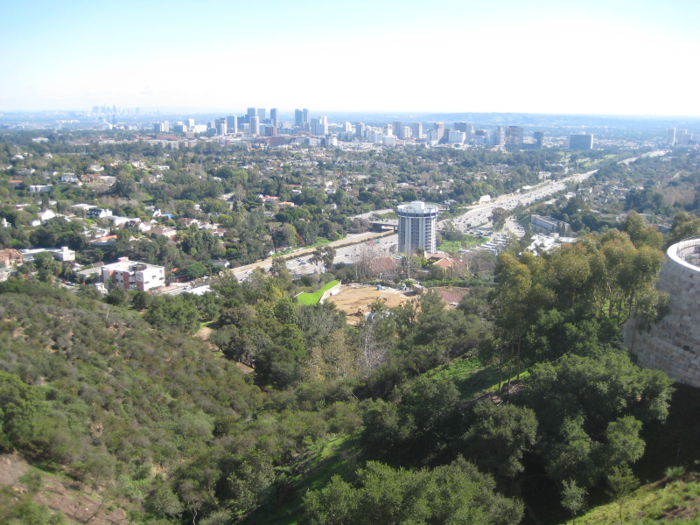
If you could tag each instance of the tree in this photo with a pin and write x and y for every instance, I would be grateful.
(590, 413)
(195, 270)
(173, 313)
(164, 503)
(573, 498)
(622, 483)
(684, 225)
(20, 407)
(336, 359)
(452, 494)
(641, 234)
(499, 436)
(324, 255)
(251, 480)
(117, 297)
(499, 216)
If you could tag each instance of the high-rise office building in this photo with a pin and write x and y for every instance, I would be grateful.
(298, 118)
(417, 129)
(254, 123)
(360, 130)
(262, 114)
(306, 116)
(456, 137)
(539, 139)
(671, 136)
(190, 122)
(481, 137)
(232, 124)
(221, 126)
(499, 136)
(581, 142)
(514, 136)
(440, 128)
(274, 117)
(250, 112)
(465, 127)
(417, 227)
(319, 126)
(388, 129)
(166, 126)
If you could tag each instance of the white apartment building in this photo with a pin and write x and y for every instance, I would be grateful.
(417, 227)
(133, 275)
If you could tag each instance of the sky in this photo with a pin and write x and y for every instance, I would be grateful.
(615, 57)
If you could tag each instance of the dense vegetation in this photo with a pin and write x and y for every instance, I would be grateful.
(518, 404)
(179, 433)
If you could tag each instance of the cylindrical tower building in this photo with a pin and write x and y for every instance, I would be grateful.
(417, 227)
(673, 344)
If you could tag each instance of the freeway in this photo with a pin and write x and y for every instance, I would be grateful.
(481, 213)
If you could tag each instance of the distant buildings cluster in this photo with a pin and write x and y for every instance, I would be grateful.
(680, 137)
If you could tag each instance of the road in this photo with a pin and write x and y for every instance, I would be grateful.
(481, 214)
(298, 262)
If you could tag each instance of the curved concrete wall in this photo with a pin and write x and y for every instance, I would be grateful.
(673, 344)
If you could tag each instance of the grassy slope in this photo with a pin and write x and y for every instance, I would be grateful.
(314, 298)
(670, 502)
(472, 379)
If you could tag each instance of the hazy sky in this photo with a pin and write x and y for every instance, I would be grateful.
(588, 56)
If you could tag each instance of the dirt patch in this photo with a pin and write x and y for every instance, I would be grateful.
(244, 368)
(204, 333)
(451, 294)
(355, 301)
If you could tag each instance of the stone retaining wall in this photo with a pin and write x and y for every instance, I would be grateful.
(673, 344)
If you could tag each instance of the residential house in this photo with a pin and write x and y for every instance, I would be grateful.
(69, 177)
(167, 231)
(40, 188)
(10, 258)
(46, 215)
(98, 213)
(103, 242)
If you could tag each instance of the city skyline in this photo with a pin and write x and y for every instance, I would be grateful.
(541, 57)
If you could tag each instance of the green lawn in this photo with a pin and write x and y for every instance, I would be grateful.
(455, 246)
(450, 246)
(314, 298)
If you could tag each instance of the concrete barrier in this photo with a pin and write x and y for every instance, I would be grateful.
(331, 291)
